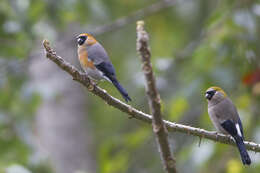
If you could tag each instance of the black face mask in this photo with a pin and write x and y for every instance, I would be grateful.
(81, 40)
(210, 94)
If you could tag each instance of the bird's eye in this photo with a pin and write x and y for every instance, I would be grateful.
(81, 40)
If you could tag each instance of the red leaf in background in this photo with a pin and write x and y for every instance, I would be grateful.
(252, 77)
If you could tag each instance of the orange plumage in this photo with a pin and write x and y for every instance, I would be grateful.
(83, 58)
(96, 63)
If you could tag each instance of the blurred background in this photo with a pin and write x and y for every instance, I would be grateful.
(51, 124)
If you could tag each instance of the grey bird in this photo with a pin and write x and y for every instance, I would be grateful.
(225, 118)
(96, 63)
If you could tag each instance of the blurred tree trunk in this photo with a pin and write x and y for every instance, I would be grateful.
(61, 121)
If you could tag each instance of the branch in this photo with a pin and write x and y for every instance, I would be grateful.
(154, 99)
(120, 22)
(134, 113)
(137, 15)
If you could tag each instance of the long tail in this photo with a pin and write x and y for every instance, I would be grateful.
(242, 150)
(122, 91)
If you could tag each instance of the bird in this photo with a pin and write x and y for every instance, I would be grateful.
(95, 61)
(225, 118)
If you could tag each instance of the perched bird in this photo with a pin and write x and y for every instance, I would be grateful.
(96, 63)
(225, 118)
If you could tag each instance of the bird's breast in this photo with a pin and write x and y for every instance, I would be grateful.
(83, 58)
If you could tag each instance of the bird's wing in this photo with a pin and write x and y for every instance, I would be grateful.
(109, 72)
(226, 110)
(107, 69)
(97, 54)
(227, 116)
(233, 114)
(236, 131)
(230, 127)
(241, 128)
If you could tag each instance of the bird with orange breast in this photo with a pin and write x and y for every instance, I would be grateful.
(94, 60)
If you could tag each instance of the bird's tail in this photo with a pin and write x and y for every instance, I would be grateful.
(121, 90)
(242, 150)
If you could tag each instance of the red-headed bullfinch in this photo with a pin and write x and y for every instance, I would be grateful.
(225, 118)
(96, 63)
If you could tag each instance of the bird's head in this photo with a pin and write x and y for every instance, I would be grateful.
(85, 39)
(215, 94)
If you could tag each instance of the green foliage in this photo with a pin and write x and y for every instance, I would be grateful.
(206, 42)
(177, 108)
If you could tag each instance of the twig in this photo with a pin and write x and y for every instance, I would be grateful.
(118, 23)
(159, 129)
(137, 114)
(137, 15)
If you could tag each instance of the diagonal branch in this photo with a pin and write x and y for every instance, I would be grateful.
(121, 21)
(137, 15)
(159, 129)
(134, 113)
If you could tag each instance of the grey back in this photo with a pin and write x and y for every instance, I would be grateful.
(97, 53)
